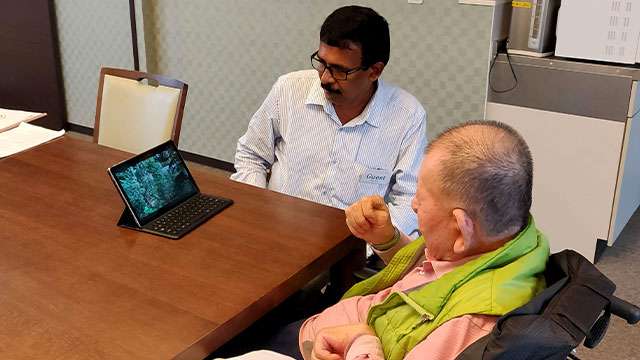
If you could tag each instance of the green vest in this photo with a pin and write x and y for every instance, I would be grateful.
(492, 284)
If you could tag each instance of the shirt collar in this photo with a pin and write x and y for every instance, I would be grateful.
(441, 267)
(368, 115)
(316, 94)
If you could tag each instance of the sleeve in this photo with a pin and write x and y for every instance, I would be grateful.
(452, 337)
(365, 347)
(353, 310)
(405, 176)
(255, 152)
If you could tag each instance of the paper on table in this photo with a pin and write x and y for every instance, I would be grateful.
(11, 118)
(24, 137)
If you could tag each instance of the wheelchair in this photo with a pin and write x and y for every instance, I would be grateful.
(575, 308)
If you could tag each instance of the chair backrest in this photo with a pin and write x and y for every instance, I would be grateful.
(136, 111)
(557, 320)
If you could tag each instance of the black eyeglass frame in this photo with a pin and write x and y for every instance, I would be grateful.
(346, 72)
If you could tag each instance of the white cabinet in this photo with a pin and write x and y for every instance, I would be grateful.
(585, 148)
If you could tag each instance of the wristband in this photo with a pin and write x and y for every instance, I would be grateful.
(389, 244)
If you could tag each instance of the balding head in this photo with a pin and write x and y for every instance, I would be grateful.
(486, 167)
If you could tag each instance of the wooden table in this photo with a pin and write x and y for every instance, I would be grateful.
(73, 285)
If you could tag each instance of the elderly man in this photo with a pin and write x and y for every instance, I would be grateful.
(480, 256)
(337, 133)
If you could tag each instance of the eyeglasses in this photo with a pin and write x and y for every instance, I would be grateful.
(337, 73)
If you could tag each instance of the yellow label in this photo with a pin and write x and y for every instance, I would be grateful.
(521, 4)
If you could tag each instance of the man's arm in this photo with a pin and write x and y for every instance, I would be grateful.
(387, 254)
(370, 220)
(403, 185)
(255, 152)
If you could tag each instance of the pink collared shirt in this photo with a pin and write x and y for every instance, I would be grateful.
(446, 342)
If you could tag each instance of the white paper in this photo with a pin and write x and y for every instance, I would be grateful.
(24, 137)
(11, 118)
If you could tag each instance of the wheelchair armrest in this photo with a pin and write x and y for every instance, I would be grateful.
(625, 310)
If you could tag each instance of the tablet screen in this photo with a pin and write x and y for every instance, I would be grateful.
(154, 181)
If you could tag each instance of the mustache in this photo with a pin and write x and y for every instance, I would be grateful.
(329, 89)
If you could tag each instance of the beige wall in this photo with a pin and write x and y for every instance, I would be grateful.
(91, 34)
(231, 51)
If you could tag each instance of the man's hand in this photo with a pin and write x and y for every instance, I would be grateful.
(332, 343)
(369, 219)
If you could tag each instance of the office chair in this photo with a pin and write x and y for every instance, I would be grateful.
(136, 111)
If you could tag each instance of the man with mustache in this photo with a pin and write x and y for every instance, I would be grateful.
(337, 133)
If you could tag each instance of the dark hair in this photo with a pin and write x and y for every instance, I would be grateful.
(490, 171)
(361, 26)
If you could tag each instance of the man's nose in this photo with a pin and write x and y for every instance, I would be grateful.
(326, 77)
(414, 205)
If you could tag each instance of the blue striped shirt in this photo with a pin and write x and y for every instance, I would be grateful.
(297, 135)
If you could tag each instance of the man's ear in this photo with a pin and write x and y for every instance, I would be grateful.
(376, 70)
(466, 230)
